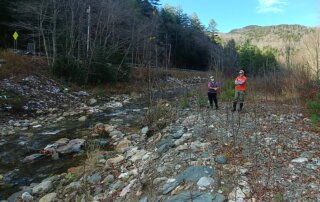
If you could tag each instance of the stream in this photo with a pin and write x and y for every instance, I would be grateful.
(13, 149)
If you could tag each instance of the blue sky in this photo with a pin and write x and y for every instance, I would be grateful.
(232, 14)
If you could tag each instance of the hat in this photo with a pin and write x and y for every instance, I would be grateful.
(241, 72)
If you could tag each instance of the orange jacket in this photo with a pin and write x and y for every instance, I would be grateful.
(240, 82)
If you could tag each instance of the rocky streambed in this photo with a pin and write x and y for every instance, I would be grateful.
(268, 152)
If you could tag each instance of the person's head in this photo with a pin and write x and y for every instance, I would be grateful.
(211, 78)
(241, 72)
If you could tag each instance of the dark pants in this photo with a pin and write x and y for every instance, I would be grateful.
(213, 97)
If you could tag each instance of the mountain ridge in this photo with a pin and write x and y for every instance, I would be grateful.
(274, 35)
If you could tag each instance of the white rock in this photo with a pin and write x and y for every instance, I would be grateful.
(26, 197)
(145, 130)
(205, 182)
(236, 195)
(82, 118)
(92, 101)
(299, 160)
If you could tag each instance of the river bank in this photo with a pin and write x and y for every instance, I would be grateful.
(267, 152)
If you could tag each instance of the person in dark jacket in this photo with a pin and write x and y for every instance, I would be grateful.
(213, 87)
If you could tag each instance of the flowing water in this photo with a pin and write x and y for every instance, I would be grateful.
(16, 147)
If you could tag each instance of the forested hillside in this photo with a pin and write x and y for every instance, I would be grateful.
(80, 38)
(294, 46)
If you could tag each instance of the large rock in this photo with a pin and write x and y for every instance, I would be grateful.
(205, 182)
(236, 195)
(43, 187)
(26, 197)
(72, 146)
(115, 160)
(300, 160)
(62, 141)
(123, 145)
(31, 158)
(138, 155)
(48, 197)
(191, 174)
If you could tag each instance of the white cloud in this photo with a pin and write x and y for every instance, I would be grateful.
(274, 6)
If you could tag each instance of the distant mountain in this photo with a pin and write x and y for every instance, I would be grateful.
(275, 36)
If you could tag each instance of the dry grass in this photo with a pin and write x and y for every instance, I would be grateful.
(19, 65)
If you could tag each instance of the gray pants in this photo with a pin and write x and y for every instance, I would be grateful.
(239, 96)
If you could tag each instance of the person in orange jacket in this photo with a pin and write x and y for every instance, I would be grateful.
(240, 90)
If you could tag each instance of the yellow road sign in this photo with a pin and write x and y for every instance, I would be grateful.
(15, 35)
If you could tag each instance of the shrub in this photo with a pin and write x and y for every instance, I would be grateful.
(314, 109)
(70, 70)
(184, 102)
(159, 115)
(227, 93)
(202, 101)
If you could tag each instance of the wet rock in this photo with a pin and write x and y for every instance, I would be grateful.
(109, 179)
(145, 130)
(116, 134)
(191, 196)
(48, 197)
(73, 186)
(92, 101)
(82, 118)
(144, 199)
(17, 196)
(62, 141)
(72, 146)
(54, 132)
(32, 158)
(81, 94)
(169, 186)
(43, 187)
(177, 135)
(113, 104)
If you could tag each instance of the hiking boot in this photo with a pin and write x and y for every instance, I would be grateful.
(234, 107)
